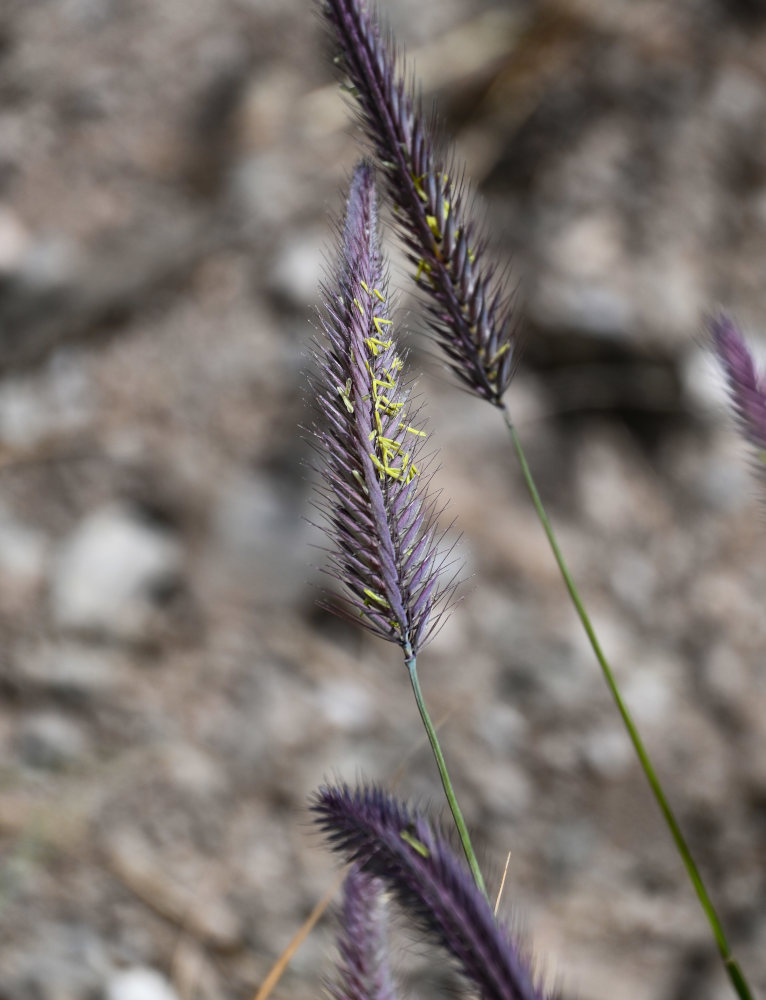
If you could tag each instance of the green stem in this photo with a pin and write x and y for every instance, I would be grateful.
(433, 739)
(735, 974)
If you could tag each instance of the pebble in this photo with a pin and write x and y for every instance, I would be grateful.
(259, 538)
(109, 572)
(50, 740)
(299, 268)
(69, 669)
(14, 240)
(346, 705)
(139, 983)
(23, 560)
(608, 752)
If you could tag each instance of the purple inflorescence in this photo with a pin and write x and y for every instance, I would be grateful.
(386, 548)
(469, 313)
(364, 972)
(387, 841)
(747, 389)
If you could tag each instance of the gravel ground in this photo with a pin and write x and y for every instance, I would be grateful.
(170, 692)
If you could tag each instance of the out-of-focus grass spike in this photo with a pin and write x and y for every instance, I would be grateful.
(747, 389)
(469, 311)
(418, 867)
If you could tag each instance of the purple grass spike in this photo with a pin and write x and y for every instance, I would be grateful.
(469, 313)
(747, 389)
(387, 551)
(364, 971)
(437, 892)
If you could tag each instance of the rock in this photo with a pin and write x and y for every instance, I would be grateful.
(258, 538)
(14, 240)
(346, 705)
(608, 752)
(63, 963)
(47, 403)
(111, 571)
(23, 563)
(298, 269)
(51, 740)
(68, 670)
(504, 788)
(139, 983)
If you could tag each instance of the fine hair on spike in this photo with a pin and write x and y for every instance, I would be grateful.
(469, 312)
(386, 548)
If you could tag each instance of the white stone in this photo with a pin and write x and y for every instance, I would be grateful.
(139, 984)
(108, 570)
(608, 752)
(51, 740)
(14, 240)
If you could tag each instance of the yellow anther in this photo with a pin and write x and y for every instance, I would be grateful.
(423, 267)
(345, 395)
(376, 345)
(365, 286)
(413, 430)
(381, 323)
(358, 476)
(389, 447)
(392, 471)
(418, 182)
(415, 844)
(433, 225)
(358, 305)
(382, 469)
(376, 292)
(414, 471)
(380, 383)
(372, 597)
(385, 405)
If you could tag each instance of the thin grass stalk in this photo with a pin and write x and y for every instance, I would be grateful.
(731, 965)
(449, 792)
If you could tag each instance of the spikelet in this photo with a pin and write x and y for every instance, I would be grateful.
(747, 389)
(364, 971)
(386, 550)
(469, 313)
(436, 890)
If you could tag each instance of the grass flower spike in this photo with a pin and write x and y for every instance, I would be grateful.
(747, 389)
(468, 311)
(386, 548)
(435, 889)
(383, 523)
(364, 972)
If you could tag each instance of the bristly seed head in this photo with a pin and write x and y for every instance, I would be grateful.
(388, 841)
(747, 389)
(469, 313)
(382, 521)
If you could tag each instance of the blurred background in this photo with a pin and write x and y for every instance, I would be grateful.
(170, 694)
